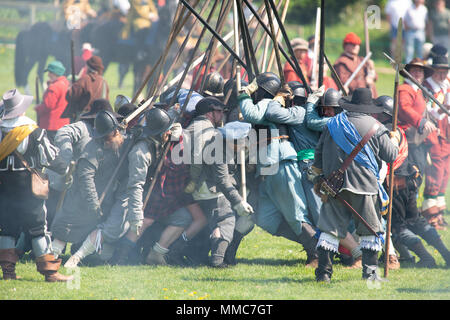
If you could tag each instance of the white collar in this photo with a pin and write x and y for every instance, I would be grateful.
(436, 86)
(15, 122)
(413, 85)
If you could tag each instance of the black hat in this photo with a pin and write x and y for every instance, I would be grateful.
(269, 81)
(157, 121)
(387, 103)
(97, 106)
(209, 104)
(126, 109)
(417, 62)
(440, 62)
(105, 122)
(360, 101)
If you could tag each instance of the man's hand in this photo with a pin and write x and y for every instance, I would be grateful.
(429, 127)
(175, 132)
(243, 208)
(190, 188)
(284, 94)
(251, 88)
(315, 96)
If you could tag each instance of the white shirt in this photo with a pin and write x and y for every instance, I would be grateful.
(416, 17)
(396, 9)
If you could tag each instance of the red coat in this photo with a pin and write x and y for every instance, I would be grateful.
(290, 75)
(53, 104)
(411, 109)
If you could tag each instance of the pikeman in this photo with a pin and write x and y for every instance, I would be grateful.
(349, 61)
(407, 222)
(349, 185)
(282, 205)
(24, 151)
(438, 173)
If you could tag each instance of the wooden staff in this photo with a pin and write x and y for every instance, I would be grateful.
(283, 17)
(314, 75)
(322, 42)
(275, 42)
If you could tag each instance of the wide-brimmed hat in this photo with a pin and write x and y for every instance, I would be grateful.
(56, 67)
(97, 106)
(417, 62)
(209, 104)
(299, 44)
(13, 104)
(440, 62)
(360, 101)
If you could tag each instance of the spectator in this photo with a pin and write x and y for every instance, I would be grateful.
(415, 23)
(440, 24)
(54, 100)
(300, 47)
(395, 9)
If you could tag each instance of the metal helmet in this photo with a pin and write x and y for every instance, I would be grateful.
(269, 82)
(157, 121)
(105, 123)
(387, 103)
(213, 85)
(299, 92)
(331, 98)
(120, 101)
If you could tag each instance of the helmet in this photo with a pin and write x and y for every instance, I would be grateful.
(269, 81)
(157, 121)
(299, 92)
(120, 101)
(331, 98)
(213, 85)
(167, 95)
(387, 103)
(105, 122)
(208, 104)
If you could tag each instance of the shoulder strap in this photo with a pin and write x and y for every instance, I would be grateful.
(360, 145)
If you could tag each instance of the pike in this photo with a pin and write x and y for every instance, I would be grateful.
(247, 41)
(335, 76)
(38, 101)
(407, 75)
(283, 17)
(398, 58)
(366, 36)
(72, 60)
(272, 35)
(314, 75)
(322, 41)
(360, 66)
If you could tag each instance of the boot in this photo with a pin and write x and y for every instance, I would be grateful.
(370, 265)
(442, 249)
(176, 253)
(426, 260)
(123, 249)
(218, 248)
(48, 266)
(309, 242)
(8, 260)
(230, 254)
(324, 269)
(156, 258)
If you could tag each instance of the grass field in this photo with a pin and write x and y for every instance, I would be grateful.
(268, 267)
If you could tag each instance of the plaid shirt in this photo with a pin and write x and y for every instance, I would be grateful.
(168, 194)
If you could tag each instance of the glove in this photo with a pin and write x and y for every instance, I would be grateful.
(135, 226)
(251, 88)
(315, 96)
(243, 208)
(395, 137)
(176, 131)
(284, 94)
(312, 173)
(190, 188)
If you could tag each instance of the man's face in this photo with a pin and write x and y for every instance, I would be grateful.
(300, 53)
(352, 49)
(440, 75)
(52, 77)
(417, 72)
(113, 141)
(328, 112)
(218, 118)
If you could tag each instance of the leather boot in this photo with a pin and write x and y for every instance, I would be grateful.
(218, 248)
(426, 260)
(442, 249)
(48, 266)
(230, 254)
(309, 242)
(155, 258)
(176, 253)
(324, 269)
(8, 260)
(124, 247)
(370, 265)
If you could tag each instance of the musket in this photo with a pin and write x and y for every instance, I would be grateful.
(407, 75)
(67, 179)
(398, 57)
(335, 76)
(355, 73)
(38, 100)
(72, 59)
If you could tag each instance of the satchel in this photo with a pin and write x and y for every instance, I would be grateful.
(39, 181)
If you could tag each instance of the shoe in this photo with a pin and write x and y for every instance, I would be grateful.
(393, 262)
(48, 266)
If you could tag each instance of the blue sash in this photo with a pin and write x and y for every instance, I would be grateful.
(347, 137)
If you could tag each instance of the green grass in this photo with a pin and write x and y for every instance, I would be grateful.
(269, 268)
